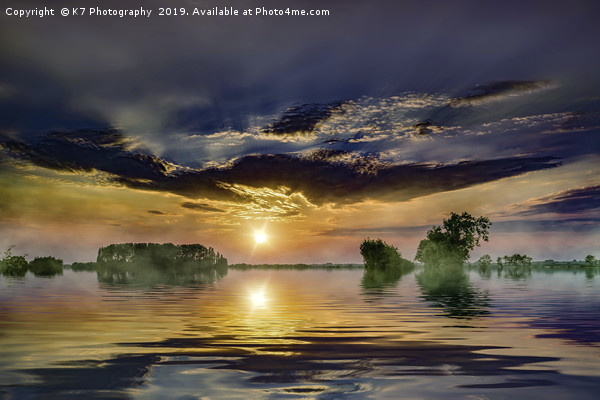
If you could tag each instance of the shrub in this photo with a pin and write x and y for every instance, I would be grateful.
(46, 266)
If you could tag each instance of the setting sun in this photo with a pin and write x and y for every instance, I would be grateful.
(260, 237)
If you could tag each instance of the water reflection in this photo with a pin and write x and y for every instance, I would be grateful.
(377, 281)
(485, 270)
(90, 379)
(149, 275)
(295, 364)
(318, 336)
(516, 272)
(449, 288)
(523, 272)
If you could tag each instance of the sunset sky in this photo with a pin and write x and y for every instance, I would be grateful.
(375, 121)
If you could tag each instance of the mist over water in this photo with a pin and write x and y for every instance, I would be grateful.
(314, 334)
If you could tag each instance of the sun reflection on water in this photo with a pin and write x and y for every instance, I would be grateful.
(258, 299)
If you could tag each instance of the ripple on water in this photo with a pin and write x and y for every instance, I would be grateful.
(318, 335)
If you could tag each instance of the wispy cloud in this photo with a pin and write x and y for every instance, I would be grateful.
(281, 203)
(574, 201)
(301, 119)
(547, 225)
(200, 207)
(493, 91)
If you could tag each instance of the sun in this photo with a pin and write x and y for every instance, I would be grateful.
(260, 237)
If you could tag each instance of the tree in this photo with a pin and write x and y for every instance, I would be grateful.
(485, 269)
(151, 263)
(590, 260)
(377, 254)
(452, 242)
(517, 266)
(519, 260)
(13, 265)
(83, 266)
(46, 266)
(485, 260)
(166, 255)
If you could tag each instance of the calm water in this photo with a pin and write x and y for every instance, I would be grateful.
(311, 334)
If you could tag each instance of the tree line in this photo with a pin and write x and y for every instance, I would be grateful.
(119, 262)
(161, 255)
(447, 245)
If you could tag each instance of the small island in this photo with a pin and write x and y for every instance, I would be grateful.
(148, 263)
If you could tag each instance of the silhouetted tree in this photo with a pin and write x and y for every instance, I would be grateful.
(451, 242)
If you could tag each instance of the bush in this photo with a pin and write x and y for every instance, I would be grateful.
(13, 266)
(377, 254)
(46, 266)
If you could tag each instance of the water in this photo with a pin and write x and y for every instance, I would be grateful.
(309, 334)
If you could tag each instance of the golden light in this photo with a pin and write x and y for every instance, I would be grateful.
(258, 299)
(260, 237)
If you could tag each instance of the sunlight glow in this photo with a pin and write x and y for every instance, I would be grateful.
(258, 299)
(260, 237)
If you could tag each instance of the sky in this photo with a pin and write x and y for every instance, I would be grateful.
(377, 120)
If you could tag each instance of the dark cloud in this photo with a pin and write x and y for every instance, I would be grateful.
(563, 225)
(130, 72)
(325, 155)
(87, 150)
(334, 141)
(156, 212)
(301, 119)
(321, 178)
(573, 201)
(457, 111)
(425, 128)
(322, 181)
(34, 101)
(496, 90)
(200, 207)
